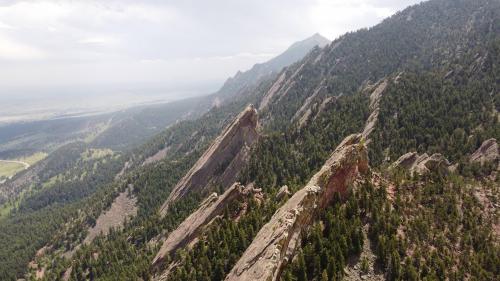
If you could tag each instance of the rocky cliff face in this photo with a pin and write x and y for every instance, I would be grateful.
(222, 161)
(192, 226)
(276, 242)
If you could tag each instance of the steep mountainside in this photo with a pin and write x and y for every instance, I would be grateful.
(67, 194)
(431, 35)
(243, 81)
(348, 131)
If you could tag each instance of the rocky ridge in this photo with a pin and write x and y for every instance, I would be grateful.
(275, 243)
(422, 164)
(192, 226)
(222, 161)
(487, 152)
(375, 97)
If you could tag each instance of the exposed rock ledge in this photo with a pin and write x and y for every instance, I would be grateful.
(276, 242)
(123, 207)
(222, 161)
(193, 225)
(487, 152)
(422, 164)
(375, 97)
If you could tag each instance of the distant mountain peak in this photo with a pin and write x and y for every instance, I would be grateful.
(294, 53)
(319, 39)
(310, 42)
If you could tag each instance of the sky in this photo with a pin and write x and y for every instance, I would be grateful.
(51, 48)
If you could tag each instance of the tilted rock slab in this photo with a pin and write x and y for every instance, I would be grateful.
(222, 161)
(422, 164)
(487, 152)
(277, 241)
(193, 225)
(375, 97)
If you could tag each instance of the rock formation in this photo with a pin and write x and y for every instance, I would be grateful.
(375, 97)
(282, 192)
(222, 161)
(421, 164)
(487, 152)
(276, 242)
(193, 225)
(124, 207)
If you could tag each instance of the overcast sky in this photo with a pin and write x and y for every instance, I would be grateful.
(169, 43)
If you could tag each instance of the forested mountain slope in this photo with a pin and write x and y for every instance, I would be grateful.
(95, 159)
(432, 35)
(452, 42)
(424, 80)
(129, 127)
(244, 81)
(116, 130)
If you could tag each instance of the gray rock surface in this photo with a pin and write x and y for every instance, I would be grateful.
(282, 192)
(222, 161)
(422, 164)
(193, 225)
(375, 97)
(487, 152)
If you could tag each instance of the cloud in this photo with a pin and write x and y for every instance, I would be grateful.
(11, 50)
(99, 40)
(152, 41)
(333, 18)
(5, 26)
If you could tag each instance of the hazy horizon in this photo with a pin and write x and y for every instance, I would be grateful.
(63, 56)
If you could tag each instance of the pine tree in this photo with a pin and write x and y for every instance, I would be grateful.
(324, 276)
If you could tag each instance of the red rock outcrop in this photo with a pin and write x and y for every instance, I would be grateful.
(192, 226)
(276, 242)
(222, 161)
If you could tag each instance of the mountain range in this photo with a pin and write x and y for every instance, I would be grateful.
(371, 157)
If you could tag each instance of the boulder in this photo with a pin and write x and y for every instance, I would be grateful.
(282, 192)
(276, 242)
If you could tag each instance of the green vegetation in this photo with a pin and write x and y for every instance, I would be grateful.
(420, 235)
(34, 158)
(327, 245)
(222, 244)
(292, 157)
(441, 64)
(415, 113)
(93, 154)
(9, 169)
(33, 218)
